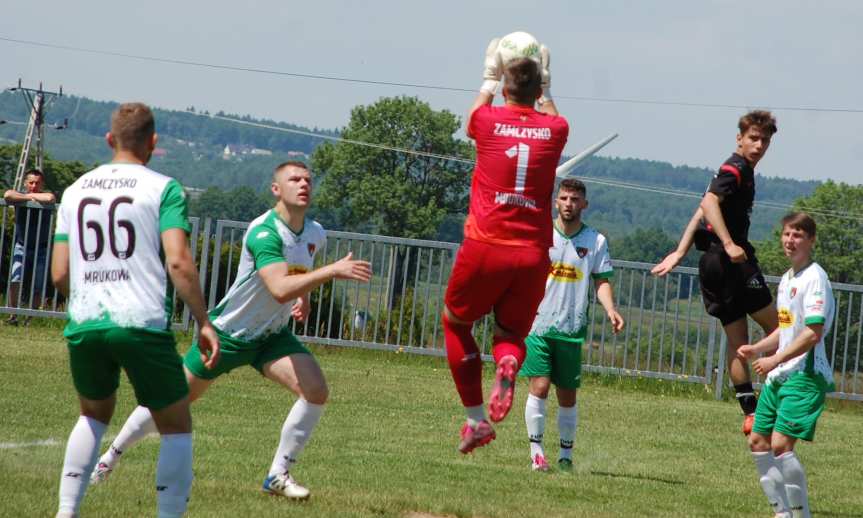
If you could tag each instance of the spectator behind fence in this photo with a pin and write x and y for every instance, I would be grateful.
(32, 234)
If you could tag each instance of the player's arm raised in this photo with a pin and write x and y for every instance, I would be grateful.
(546, 103)
(285, 287)
(673, 259)
(491, 75)
(181, 268)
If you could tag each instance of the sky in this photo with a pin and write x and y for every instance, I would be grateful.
(768, 53)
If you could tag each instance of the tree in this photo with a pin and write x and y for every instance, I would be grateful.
(393, 193)
(839, 247)
(58, 174)
(388, 192)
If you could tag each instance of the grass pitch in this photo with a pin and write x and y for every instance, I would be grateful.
(386, 447)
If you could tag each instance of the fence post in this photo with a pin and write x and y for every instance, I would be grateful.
(204, 259)
(720, 370)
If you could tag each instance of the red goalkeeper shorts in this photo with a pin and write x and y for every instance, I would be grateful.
(506, 279)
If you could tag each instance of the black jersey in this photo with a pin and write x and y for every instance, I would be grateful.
(735, 184)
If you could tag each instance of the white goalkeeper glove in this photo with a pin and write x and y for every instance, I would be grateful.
(493, 68)
(545, 73)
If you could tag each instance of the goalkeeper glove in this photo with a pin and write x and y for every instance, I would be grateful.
(493, 68)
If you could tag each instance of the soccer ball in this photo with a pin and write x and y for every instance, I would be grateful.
(518, 45)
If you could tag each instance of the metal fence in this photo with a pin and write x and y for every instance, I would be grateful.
(668, 335)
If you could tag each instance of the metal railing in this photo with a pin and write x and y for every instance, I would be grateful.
(668, 334)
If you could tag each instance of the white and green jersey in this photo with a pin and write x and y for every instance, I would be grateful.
(804, 298)
(112, 218)
(575, 260)
(248, 311)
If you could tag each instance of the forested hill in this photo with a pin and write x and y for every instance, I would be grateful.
(192, 149)
(89, 117)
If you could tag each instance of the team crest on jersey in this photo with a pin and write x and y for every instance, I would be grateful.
(581, 251)
(793, 291)
(311, 247)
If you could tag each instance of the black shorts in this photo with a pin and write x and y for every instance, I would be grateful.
(731, 290)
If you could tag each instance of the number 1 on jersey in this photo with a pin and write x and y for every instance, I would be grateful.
(522, 151)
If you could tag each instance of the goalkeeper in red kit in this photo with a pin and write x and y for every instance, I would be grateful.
(503, 263)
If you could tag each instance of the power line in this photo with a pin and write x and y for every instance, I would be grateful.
(623, 100)
(607, 183)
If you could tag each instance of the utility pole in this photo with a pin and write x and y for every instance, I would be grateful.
(38, 101)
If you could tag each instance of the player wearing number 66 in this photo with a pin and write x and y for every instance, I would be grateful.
(113, 225)
(503, 262)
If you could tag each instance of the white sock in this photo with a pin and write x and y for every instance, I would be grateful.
(772, 481)
(795, 484)
(534, 418)
(174, 474)
(475, 414)
(82, 450)
(567, 421)
(138, 425)
(296, 432)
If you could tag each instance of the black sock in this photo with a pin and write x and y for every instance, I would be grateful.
(746, 397)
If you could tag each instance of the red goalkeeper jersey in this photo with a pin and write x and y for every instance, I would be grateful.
(517, 149)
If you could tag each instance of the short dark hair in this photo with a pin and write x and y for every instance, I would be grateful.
(522, 81)
(573, 184)
(35, 172)
(761, 119)
(132, 126)
(800, 221)
(289, 163)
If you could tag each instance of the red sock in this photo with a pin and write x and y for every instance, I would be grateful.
(464, 360)
(507, 345)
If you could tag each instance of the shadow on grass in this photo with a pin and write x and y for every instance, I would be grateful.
(636, 477)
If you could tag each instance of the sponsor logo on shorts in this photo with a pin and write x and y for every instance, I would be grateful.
(564, 273)
(755, 282)
(786, 319)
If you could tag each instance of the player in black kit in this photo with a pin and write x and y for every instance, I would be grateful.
(732, 285)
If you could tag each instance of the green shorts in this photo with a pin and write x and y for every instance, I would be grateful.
(237, 353)
(555, 358)
(791, 408)
(149, 358)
